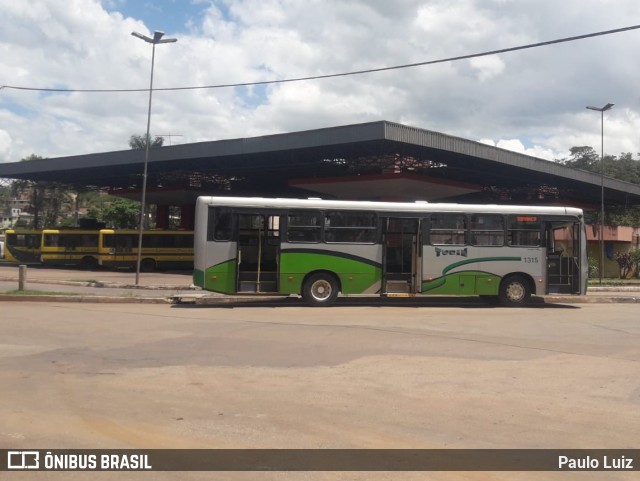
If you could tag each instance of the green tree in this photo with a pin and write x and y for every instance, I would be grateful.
(139, 142)
(635, 258)
(624, 167)
(584, 158)
(46, 199)
(5, 194)
(625, 263)
(118, 214)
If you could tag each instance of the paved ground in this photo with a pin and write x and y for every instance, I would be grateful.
(99, 282)
(459, 376)
(163, 285)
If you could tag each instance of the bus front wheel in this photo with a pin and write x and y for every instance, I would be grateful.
(320, 290)
(515, 291)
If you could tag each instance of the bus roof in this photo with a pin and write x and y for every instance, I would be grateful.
(66, 230)
(398, 207)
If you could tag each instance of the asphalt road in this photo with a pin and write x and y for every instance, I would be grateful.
(456, 376)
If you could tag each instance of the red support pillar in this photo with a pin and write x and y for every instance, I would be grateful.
(162, 217)
(187, 216)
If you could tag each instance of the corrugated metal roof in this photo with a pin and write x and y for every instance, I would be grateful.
(264, 164)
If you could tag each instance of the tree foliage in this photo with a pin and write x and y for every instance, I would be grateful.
(5, 194)
(139, 142)
(628, 263)
(623, 167)
(117, 214)
(46, 199)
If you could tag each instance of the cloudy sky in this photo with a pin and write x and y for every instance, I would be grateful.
(531, 101)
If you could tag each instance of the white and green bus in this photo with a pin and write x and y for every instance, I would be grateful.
(320, 248)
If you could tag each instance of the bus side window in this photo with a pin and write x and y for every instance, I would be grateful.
(51, 240)
(304, 226)
(350, 227)
(448, 229)
(219, 224)
(524, 230)
(487, 230)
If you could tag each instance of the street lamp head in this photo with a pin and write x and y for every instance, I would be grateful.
(601, 109)
(142, 37)
(157, 37)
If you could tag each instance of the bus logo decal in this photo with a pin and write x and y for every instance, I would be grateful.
(451, 252)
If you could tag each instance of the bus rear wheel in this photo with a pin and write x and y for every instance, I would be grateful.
(88, 263)
(515, 291)
(320, 290)
(147, 265)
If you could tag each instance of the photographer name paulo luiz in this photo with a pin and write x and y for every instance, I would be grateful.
(595, 463)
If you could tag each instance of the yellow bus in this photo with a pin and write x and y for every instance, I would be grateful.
(70, 247)
(161, 249)
(22, 245)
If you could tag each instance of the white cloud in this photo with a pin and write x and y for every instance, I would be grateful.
(5, 143)
(533, 100)
(515, 145)
(487, 67)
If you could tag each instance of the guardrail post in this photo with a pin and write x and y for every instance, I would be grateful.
(22, 277)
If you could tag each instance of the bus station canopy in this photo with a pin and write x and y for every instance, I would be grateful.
(376, 160)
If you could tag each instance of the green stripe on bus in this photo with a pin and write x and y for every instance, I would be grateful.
(329, 252)
(356, 275)
(446, 284)
(464, 283)
(221, 277)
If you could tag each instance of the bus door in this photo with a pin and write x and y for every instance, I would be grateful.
(123, 246)
(258, 252)
(66, 246)
(402, 256)
(563, 256)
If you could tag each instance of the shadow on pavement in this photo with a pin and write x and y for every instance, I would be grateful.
(465, 302)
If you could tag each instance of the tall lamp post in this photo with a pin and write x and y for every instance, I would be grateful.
(157, 38)
(602, 110)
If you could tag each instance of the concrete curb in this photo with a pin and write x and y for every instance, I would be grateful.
(614, 289)
(592, 300)
(84, 299)
(100, 284)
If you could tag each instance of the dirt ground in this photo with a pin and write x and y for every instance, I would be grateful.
(157, 376)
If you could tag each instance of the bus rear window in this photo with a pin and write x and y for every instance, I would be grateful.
(219, 224)
(23, 240)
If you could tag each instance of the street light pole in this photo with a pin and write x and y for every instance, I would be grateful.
(602, 110)
(157, 38)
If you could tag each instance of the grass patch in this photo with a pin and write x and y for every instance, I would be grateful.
(29, 292)
(614, 282)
